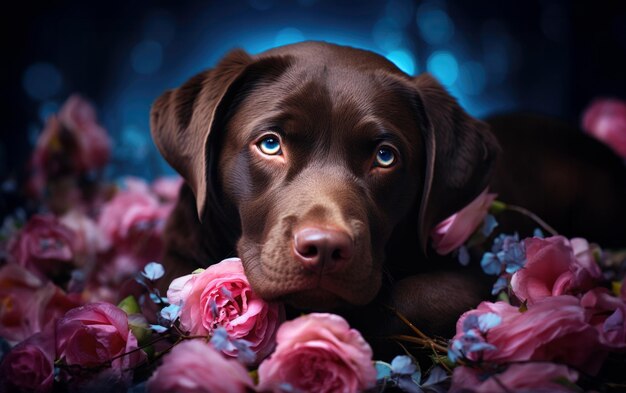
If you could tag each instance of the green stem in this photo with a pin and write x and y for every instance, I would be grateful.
(533, 217)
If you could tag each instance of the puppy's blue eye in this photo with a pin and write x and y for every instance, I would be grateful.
(270, 145)
(385, 157)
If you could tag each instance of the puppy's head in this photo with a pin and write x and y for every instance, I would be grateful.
(318, 152)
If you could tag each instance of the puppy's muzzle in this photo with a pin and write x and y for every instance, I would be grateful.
(324, 250)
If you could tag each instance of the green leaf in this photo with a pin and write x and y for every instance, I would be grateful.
(130, 305)
(198, 271)
(497, 207)
(502, 296)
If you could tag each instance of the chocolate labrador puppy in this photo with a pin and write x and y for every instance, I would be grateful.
(325, 168)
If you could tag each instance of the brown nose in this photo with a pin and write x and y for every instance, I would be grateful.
(322, 248)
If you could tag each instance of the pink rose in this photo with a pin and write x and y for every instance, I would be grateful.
(89, 239)
(318, 353)
(451, 233)
(195, 366)
(71, 142)
(555, 266)
(520, 378)
(132, 223)
(27, 304)
(94, 334)
(44, 246)
(94, 146)
(608, 314)
(552, 329)
(29, 366)
(605, 119)
(221, 296)
(167, 188)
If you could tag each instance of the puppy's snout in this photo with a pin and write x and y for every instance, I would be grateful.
(322, 248)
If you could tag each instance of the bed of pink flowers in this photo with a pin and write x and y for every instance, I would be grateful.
(79, 308)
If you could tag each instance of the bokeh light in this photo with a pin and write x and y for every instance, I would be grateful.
(444, 66)
(146, 57)
(472, 78)
(403, 59)
(47, 109)
(435, 26)
(287, 36)
(42, 81)
(387, 34)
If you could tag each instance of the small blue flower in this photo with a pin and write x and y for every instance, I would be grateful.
(513, 256)
(158, 328)
(538, 233)
(245, 354)
(170, 313)
(153, 271)
(489, 224)
(464, 257)
(220, 340)
(491, 264)
(500, 285)
(487, 321)
(228, 294)
(403, 365)
(614, 322)
(214, 310)
(471, 322)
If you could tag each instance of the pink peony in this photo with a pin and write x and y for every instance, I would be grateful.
(318, 353)
(44, 246)
(451, 233)
(608, 314)
(27, 304)
(194, 366)
(552, 329)
(29, 367)
(94, 334)
(555, 266)
(221, 296)
(520, 378)
(605, 119)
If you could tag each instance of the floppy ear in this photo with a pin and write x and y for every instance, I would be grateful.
(183, 119)
(460, 152)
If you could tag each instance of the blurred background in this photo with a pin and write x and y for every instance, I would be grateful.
(551, 57)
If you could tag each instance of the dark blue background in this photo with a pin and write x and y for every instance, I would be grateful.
(551, 57)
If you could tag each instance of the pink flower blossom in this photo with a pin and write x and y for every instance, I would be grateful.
(608, 314)
(552, 329)
(44, 246)
(318, 353)
(605, 119)
(71, 143)
(91, 335)
(555, 266)
(28, 304)
(167, 188)
(520, 378)
(195, 367)
(132, 223)
(221, 296)
(94, 146)
(29, 366)
(89, 239)
(451, 233)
